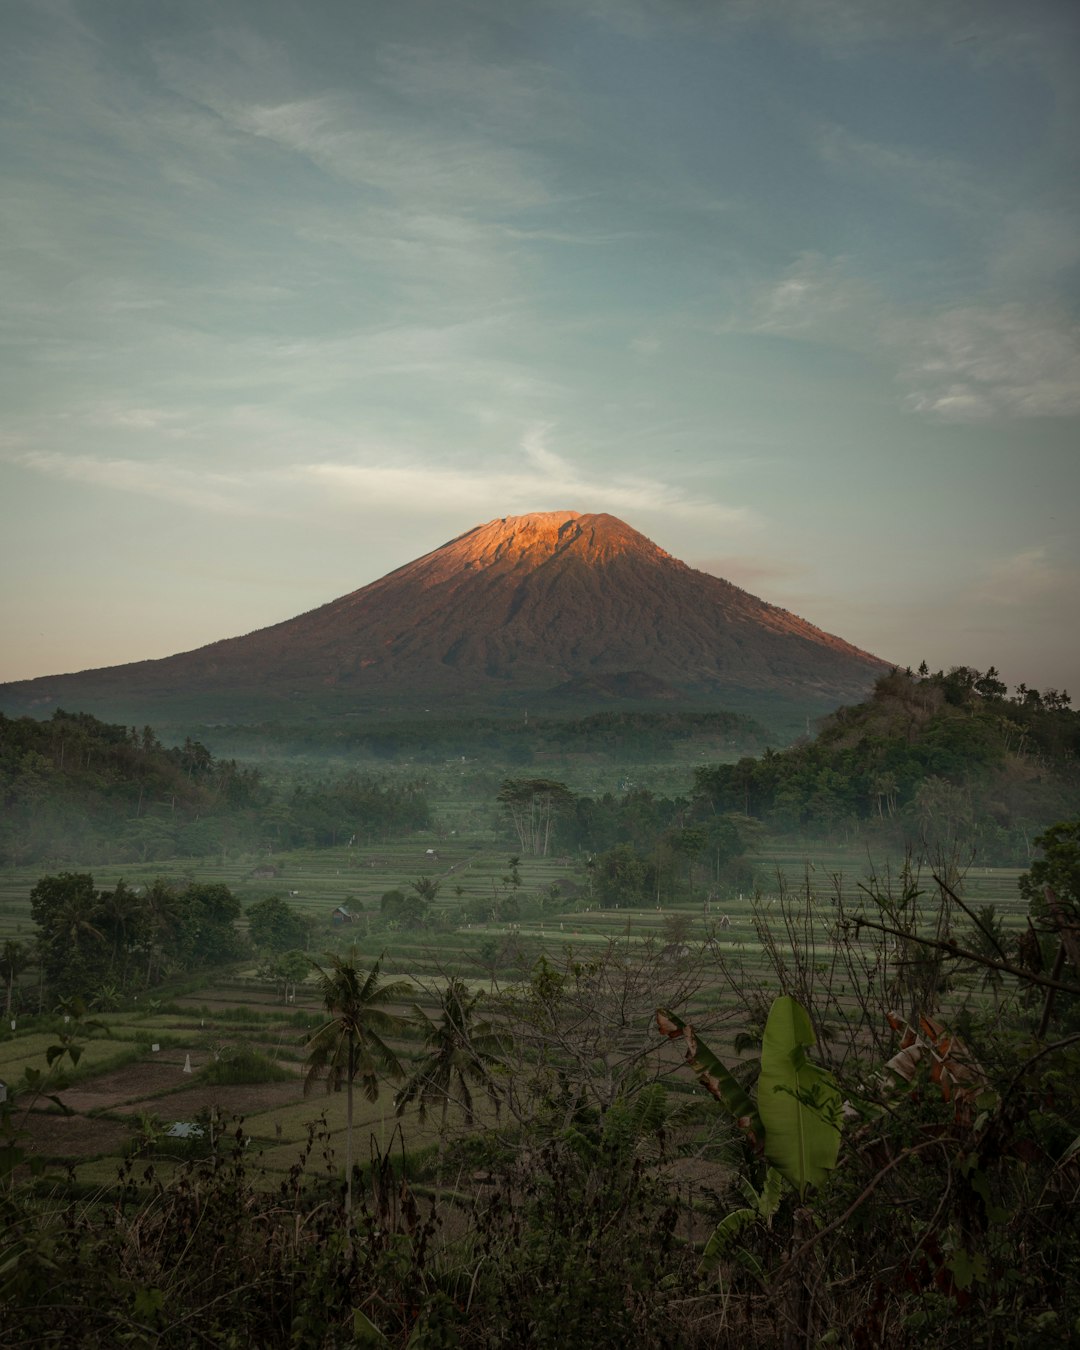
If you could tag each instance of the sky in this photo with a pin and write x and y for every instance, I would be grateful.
(293, 293)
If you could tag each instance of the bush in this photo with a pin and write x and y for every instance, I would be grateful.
(245, 1064)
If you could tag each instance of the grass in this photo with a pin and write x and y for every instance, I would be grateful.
(244, 1064)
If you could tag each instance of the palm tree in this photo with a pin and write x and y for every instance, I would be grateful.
(461, 1052)
(351, 1043)
(14, 958)
(119, 913)
(162, 907)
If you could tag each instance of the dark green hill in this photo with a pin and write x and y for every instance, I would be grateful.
(942, 760)
(74, 789)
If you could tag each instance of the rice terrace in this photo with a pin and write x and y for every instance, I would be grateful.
(131, 1075)
(455, 1050)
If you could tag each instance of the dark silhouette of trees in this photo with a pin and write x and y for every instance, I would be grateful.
(353, 1043)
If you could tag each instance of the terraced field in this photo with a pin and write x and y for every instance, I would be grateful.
(143, 1077)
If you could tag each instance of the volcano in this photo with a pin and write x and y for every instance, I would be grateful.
(542, 610)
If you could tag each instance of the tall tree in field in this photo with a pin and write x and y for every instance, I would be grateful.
(352, 1044)
(74, 952)
(162, 920)
(15, 956)
(461, 1053)
(532, 805)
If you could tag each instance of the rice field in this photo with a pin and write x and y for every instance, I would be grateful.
(143, 1066)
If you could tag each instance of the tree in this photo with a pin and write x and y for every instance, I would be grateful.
(462, 1051)
(1058, 868)
(532, 805)
(289, 968)
(427, 888)
(276, 927)
(15, 956)
(121, 916)
(351, 1044)
(1051, 887)
(162, 909)
(209, 913)
(66, 909)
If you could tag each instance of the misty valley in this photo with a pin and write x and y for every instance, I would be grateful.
(644, 1026)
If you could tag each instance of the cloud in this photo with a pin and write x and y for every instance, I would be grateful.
(965, 363)
(370, 147)
(534, 478)
(815, 297)
(537, 478)
(978, 362)
(216, 493)
(979, 29)
(937, 180)
(527, 99)
(1029, 577)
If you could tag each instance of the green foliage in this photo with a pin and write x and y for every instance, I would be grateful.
(1058, 868)
(798, 1101)
(534, 806)
(75, 788)
(112, 940)
(274, 926)
(354, 1042)
(713, 1074)
(244, 1064)
(943, 759)
(462, 1052)
(796, 1121)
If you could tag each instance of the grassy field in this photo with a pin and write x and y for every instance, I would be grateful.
(145, 1064)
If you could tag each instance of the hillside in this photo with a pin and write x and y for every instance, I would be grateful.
(74, 789)
(942, 760)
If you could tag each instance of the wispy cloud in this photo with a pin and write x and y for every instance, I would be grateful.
(815, 297)
(961, 363)
(936, 179)
(535, 478)
(1029, 577)
(214, 493)
(978, 362)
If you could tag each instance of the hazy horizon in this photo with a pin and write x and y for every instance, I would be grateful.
(294, 295)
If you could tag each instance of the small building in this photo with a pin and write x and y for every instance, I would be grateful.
(184, 1129)
(342, 915)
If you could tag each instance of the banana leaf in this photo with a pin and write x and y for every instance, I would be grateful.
(799, 1103)
(712, 1074)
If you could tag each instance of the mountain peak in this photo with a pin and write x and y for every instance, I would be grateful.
(541, 535)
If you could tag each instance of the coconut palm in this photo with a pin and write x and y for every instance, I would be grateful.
(14, 959)
(162, 920)
(120, 913)
(351, 1044)
(461, 1052)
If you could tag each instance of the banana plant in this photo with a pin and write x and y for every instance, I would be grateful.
(795, 1121)
(759, 1208)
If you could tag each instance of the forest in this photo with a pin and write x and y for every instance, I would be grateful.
(947, 757)
(77, 789)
